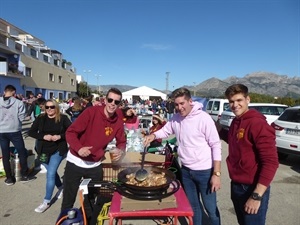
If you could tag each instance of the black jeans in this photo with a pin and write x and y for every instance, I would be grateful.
(71, 181)
(17, 139)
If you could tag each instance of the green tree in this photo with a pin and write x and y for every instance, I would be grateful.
(83, 90)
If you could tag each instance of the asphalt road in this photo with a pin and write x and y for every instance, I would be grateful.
(19, 201)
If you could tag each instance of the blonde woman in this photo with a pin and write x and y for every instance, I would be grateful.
(49, 130)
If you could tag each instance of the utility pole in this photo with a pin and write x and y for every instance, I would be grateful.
(97, 76)
(194, 88)
(167, 82)
(87, 81)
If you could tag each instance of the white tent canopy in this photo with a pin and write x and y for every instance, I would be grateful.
(144, 93)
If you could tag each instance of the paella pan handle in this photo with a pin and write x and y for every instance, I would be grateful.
(142, 174)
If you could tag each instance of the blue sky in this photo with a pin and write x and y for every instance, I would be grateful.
(135, 42)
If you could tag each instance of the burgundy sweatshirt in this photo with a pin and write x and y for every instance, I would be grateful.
(93, 128)
(252, 152)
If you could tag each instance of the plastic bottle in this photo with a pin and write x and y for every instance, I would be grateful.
(130, 140)
(17, 167)
(137, 141)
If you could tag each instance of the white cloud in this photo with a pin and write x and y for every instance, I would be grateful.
(157, 47)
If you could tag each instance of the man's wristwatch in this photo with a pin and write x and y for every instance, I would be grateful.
(217, 173)
(256, 196)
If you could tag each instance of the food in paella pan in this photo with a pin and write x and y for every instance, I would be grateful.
(153, 179)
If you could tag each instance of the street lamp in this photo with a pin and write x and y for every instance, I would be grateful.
(87, 81)
(98, 75)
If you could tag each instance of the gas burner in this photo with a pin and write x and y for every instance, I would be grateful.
(149, 195)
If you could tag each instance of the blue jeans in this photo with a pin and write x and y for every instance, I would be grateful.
(53, 178)
(169, 116)
(240, 193)
(197, 184)
(16, 139)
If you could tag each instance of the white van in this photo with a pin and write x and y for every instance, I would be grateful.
(215, 107)
(269, 110)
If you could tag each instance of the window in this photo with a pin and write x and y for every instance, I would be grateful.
(64, 64)
(28, 93)
(72, 82)
(2, 39)
(60, 96)
(33, 53)
(209, 105)
(28, 72)
(46, 58)
(51, 77)
(60, 79)
(225, 106)
(216, 106)
(269, 110)
(291, 115)
(56, 62)
(18, 47)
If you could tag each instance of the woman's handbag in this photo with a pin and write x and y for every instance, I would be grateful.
(44, 158)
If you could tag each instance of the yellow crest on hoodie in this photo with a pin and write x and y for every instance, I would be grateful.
(108, 131)
(240, 133)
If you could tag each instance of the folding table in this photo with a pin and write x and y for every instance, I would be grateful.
(183, 210)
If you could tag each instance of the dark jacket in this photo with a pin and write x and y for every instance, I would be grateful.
(170, 107)
(40, 128)
(74, 114)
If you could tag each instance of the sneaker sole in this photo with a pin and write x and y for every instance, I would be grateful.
(36, 210)
(43, 171)
(9, 184)
(26, 181)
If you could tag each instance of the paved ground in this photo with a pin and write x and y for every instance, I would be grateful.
(18, 201)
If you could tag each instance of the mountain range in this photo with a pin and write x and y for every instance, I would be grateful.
(258, 82)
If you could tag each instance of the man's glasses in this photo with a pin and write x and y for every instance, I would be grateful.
(50, 107)
(110, 100)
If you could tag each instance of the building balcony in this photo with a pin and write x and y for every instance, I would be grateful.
(12, 70)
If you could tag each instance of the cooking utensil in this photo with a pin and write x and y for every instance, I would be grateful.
(123, 179)
(142, 174)
(142, 194)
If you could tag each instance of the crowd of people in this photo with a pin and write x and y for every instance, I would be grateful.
(82, 138)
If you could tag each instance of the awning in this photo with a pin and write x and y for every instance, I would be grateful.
(21, 43)
(46, 54)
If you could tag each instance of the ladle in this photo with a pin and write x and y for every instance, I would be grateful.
(142, 174)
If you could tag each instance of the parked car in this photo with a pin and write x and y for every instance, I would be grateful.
(287, 128)
(215, 107)
(271, 112)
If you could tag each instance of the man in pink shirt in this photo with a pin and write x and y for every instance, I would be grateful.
(199, 151)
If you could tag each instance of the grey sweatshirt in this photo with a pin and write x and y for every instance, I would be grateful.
(12, 113)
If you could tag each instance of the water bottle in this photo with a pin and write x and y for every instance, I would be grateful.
(129, 140)
(17, 167)
(137, 141)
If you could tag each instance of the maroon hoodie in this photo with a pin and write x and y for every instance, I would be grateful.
(93, 128)
(252, 152)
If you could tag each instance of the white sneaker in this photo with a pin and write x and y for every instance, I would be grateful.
(42, 207)
(43, 169)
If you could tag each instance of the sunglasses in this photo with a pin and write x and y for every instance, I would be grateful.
(110, 100)
(50, 107)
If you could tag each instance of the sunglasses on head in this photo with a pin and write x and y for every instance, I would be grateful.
(110, 100)
(50, 107)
